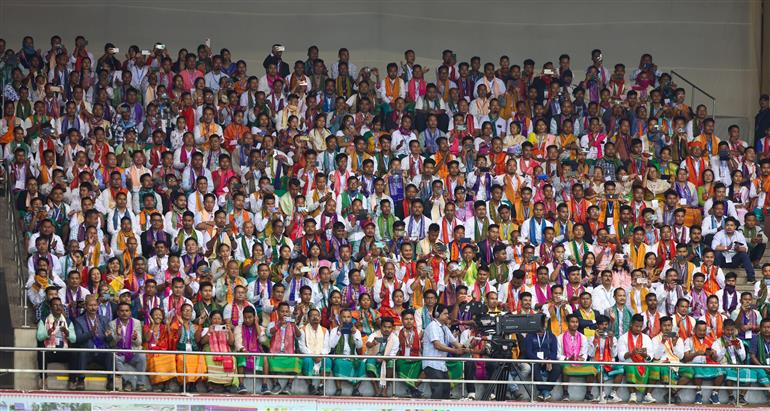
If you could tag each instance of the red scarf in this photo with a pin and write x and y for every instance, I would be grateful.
(632, 345)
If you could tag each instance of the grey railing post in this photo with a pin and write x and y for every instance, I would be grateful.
(738, 386)
(532, 386)
(114, 371)
(43, 385)
(184, 373)
(323, 376)
(669, 384)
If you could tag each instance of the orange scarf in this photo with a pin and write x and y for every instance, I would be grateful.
(697, 345)
(637, 257)
(714, 333)
(711, 286)
(632, 345)
(392, 89)
(684, 331)
(144, 217)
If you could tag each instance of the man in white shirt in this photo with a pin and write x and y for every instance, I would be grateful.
(346, 340)
(495, 86)
(417, 224)
(534, 227)
(602, 295)
(216, 74)
(713, 223)
(635, 346)
(731, 250)
(344, 57)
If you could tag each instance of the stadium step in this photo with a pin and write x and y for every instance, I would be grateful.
(58, 381)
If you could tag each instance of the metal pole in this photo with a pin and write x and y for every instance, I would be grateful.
(601, 383)
(114, 372)
(669, 385)
(738, 386)
(184, 373)
(323, 377)
(394, 378)
(532, 386)
(254, 373)
(45, 375)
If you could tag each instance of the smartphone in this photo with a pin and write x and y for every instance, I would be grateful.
(289, 319)
(548, 72)
(114, 50)
(146, 52)
(280, 48)
(56, 89)
(160, 46)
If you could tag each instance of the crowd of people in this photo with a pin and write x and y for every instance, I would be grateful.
(197, 204)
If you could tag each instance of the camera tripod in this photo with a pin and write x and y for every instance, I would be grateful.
(500, 389)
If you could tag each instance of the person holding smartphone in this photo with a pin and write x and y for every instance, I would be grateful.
(346, 340)
(731, 249)
(698, 350)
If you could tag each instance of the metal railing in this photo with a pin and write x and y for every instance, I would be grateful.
(326, 375)
(698, 89)
(19, 253)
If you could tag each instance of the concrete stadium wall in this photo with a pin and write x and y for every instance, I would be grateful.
(713, 42)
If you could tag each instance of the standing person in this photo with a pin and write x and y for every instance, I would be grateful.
(126, 333)
(383, 342)
(314, 339)
(634, 346)
(249, 336)
(283, 333)
(55, 331)
(156, 338)
(543, 345)
(438, 341)
(573, 345)
(91, 329)
(762, 118)
(346, 340)
(409, 345)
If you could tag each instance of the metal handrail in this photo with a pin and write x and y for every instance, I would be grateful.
(693, 85)
(20, 254)
(696, 87)
(532, 381)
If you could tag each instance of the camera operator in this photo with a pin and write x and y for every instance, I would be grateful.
(438, 341)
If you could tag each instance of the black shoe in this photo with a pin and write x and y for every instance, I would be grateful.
(109, 386)
(265, 390)
(356, 393)
(742, 400)
(276, 388)
(286, 389)
(338, 392)
(310, 389)
(319, 390)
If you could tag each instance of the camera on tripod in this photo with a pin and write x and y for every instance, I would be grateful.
(498, 328)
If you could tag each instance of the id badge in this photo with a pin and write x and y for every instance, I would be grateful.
(748, 335)
(188, 347)
(540, 355)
